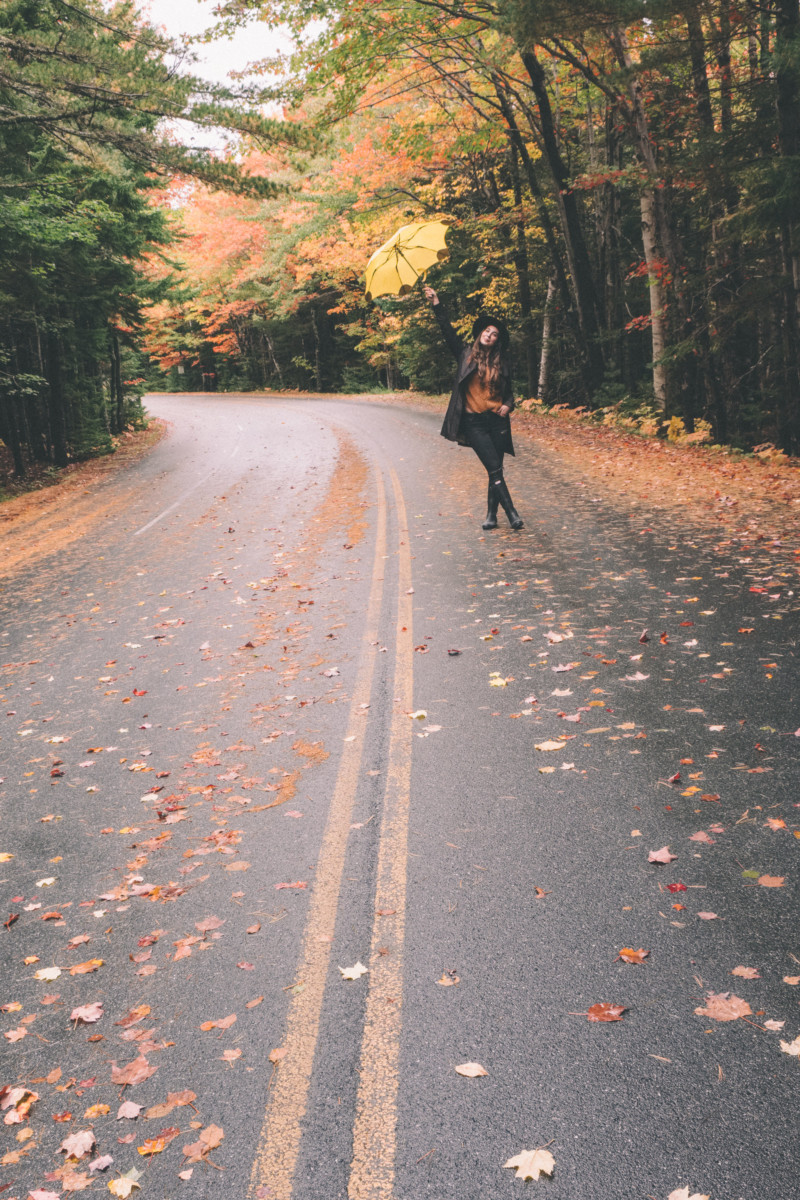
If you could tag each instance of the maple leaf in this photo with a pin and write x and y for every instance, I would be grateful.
(664, 855)
(134, 1072)
(78, 1144)
(208, 1140)
(101, 1163)
(531, 1164)
(88, 1013)
(683, 1194)
(771, 881)
(633, 956)
(606, 1012)
(47, 973)
(157, 1144)
(792, 980)
(43, 1194)
(792, 1048)
(471, 1070)
(723, 1006)
(676, 887)
(701, 836)
(746, 972)
(129, 1109)
(354, 972)
(96, 1110)
(774, 1025)
(230, 1056)
(75, 1181)
(123, 1186)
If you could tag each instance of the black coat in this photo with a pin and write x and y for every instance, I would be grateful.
(452, 428)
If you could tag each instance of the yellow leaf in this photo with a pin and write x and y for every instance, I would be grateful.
(531, 1164)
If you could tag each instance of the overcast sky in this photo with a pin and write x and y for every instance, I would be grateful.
(219, 57)
(216, 58)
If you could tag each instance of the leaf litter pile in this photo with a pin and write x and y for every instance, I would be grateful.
(115, 974)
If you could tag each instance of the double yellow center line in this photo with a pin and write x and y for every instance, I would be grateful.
(372, 1169)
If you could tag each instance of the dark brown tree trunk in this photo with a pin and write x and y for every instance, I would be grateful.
(577, 252)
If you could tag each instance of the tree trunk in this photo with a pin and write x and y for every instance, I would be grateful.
(547, 338)
(657, 327)
(117, 393)
(55, 402)
(575, 243)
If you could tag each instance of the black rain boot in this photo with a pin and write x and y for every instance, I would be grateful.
(491, 510)
(502, 493)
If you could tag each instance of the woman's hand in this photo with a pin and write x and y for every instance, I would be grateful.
(430, 294)
(504, 410)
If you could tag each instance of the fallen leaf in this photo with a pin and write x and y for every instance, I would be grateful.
(208, 923)
(792, 1048)
(125, 1184)
(606, 1012)
(253, 928)
(208, 1140)
(88, 1013)
(129, 1109)
(298, 884)
(550, 745)
(96, 1110)
(254, 1003)
(633, 956)
(471, 1069)
(701, 836)
(449, 979)
(676, 887)
(47, 973)
(86, 968)
(707, 916)
(746, 972)
(173, 1100)
(531, 1164)
(78, 1143)
(134, 1016)
(224, 1023)
(230, 1056)
(353, 972)
(723, 1006)
(774, 1025)
(135, 1072)
(100, 1164)
(187, 1174)
(772, 881)
(793, 980)
(664, 855)
(157, 1144)
(683, 1194)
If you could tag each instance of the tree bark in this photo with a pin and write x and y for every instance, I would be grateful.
(577, 253)
(547, 338)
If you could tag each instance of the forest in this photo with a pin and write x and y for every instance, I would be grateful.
(621, 182)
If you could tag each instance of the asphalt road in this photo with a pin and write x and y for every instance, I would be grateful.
(281, 708)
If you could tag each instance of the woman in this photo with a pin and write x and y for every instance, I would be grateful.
(482, 398)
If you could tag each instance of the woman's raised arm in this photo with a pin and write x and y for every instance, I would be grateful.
(450, 336)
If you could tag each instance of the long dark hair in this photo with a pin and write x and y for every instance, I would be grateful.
(488, 360)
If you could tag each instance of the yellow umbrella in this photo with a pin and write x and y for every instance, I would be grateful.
(395, 268)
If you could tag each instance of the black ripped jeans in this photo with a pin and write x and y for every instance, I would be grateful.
(485, 435)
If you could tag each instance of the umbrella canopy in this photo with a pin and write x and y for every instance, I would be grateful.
(395, 268)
